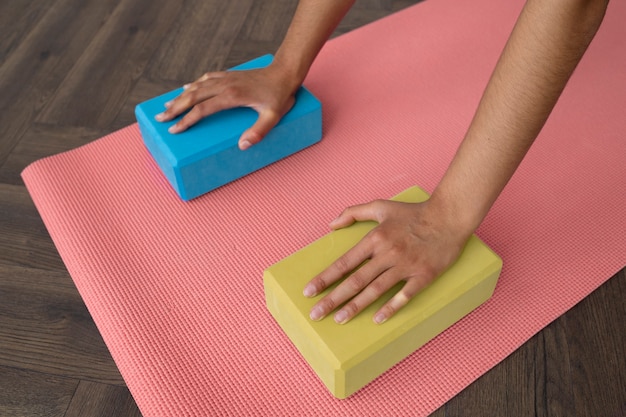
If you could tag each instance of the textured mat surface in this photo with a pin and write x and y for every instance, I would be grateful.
(176, 288)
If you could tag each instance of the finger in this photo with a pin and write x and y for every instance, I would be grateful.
(266, 121)
(186, 100)
(210, 75)
(350, 287)
(201, 82)
(380, 285)
(338, 269)
(198, 112)
(399, 300)
(361, 212)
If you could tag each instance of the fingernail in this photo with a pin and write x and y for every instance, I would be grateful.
(380, 318)
(309, 291)
(160, 117)
(244, 144)
(186, 86)
(316, 313)
(168, 103)
(174, 129)
(341, 317)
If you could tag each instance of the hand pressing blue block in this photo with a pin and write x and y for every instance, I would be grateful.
(206, 156)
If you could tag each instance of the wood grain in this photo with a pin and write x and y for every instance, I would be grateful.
(47, 328)
(72, 71)
(34, 394)
(100, 400)
(24, 240)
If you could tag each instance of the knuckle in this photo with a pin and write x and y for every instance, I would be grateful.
(328, 304)
(189, 96)
(378, 235)
(356, 282)
(342, 265)
(196, 113)
(255, 135)
(411, 291)
(396, 250)
(351, 308)
(345, 212)
(270, 115)
(232, 92)
(319, 284)
(377, 287)
(378, 204)
(324, 281)
(378, 207)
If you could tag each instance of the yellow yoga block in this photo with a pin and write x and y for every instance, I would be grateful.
(349, 356)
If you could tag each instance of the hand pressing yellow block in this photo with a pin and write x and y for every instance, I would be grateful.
(347, 357)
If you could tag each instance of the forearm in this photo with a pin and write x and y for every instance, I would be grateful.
(312, 24)
(548, 41)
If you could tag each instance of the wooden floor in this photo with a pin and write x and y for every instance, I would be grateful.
(72, 71)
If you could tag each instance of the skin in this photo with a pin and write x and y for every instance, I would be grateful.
(415, 243)
(270, 91)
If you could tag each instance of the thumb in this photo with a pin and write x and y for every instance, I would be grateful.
(266, 121)
(361, 212)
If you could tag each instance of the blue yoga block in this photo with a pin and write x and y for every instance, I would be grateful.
(206, 156)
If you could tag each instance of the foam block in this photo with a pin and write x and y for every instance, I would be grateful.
(206, 156)
(347, 357)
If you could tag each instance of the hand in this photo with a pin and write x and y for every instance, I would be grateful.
(266, 90)
(414, 243)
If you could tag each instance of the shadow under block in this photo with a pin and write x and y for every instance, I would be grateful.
(206, 156)
(347, 357)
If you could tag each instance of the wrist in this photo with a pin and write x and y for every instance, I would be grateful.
(293, 68)
(460, 215)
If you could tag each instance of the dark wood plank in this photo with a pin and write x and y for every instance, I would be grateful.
(366, 11)
(596, 334)
(40, 141)
(72, 71)
(97, 85)
(24, 240)
(440, 412)
(200, 40)
(32, 72)
(489, 394)
(100, 400)
(144, 89)
(267, 22)
(553, 378)
(32, 394)
(45, 327)
(17, 19)
(261, 32)
(560, 371)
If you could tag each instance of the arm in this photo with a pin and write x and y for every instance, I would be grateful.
(547, 43)
(312, 25)
(270, 91)
(417, 242)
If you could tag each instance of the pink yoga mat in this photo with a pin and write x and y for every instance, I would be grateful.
(176, 288)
